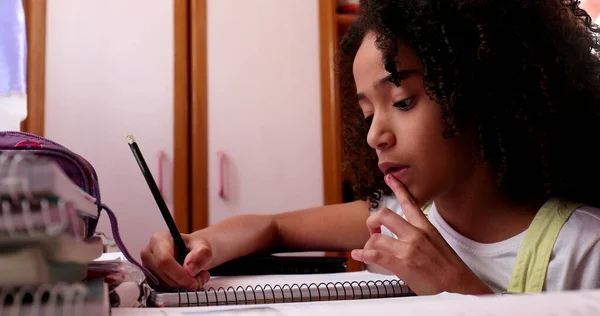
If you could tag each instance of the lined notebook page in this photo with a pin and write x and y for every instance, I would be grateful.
(582, 303)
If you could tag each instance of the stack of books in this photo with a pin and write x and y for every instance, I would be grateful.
(46, 242)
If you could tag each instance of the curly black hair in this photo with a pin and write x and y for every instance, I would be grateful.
(525, 73)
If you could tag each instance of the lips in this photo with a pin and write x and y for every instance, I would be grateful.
(392, 168)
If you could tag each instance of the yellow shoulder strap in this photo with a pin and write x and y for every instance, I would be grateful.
(529, 273)
(426, 208)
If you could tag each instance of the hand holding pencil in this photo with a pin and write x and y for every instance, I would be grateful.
(159, 257)
(175, 246)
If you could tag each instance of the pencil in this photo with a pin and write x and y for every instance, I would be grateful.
(180, 248)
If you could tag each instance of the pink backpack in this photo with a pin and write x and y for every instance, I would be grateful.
(79, 170)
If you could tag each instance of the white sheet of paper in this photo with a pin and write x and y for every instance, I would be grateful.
(111, 257)
(572, 303)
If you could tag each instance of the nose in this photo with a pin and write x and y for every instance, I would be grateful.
(380, 136)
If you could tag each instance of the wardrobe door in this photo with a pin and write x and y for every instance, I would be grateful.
(264, 110)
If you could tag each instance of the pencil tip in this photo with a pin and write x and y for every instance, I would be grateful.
(130, 139)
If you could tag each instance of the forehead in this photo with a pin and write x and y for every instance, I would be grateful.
(368, 62)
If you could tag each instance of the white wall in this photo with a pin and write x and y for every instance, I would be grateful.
(110, 73)
(264, 106)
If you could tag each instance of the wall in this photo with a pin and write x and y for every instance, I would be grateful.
(110, 73)
(264, 106)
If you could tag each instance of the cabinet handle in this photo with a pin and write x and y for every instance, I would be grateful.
(221, 173)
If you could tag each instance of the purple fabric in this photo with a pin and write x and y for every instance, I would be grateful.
(13, 47)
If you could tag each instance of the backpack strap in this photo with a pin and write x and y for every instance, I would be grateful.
(426, 208)
(114, 225)
(529, 272)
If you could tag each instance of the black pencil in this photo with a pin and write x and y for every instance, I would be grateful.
(180, 247)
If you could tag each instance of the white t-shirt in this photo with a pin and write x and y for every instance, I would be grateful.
(574, 263)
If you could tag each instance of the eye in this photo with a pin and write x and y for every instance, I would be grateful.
(369, 119)
(405, 104)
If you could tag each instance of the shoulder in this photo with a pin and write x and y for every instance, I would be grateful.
(582, 229)
(576, 253)
(585, 222)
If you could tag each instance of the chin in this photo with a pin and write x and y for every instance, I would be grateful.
(420, 196)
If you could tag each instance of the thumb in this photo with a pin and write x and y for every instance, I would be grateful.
(197, 259)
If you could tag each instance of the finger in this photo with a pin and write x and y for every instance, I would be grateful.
(372, 256)
(163, 242)
(409, 207)
(171, 272)
(202, 278)
(163, 255)
(374, 230)
(394, 222)
(197, 259)
(386, 244)
(167, 283)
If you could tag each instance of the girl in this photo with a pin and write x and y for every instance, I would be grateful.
(486, 109)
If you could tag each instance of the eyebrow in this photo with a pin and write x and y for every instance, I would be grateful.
(403, 74)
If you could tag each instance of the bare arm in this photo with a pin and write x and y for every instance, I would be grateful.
(332, 227)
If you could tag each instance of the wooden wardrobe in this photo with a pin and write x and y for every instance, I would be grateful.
(190, 106)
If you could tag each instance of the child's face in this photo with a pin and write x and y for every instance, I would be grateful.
(406, 126)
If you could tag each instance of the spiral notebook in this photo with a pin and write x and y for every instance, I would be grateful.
(54, 226)
(266, 289)
(31, 177)
(89, 298)
(42, 230)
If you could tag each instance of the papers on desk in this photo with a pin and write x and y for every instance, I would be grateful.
(111, 257)
(571, 303)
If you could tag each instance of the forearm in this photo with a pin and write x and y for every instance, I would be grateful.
(339, 227)
(239, 236)
(332, 227)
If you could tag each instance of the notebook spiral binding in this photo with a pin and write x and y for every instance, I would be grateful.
(304, 293)
(12, 184)
(18, 202)
(46, 299)
(54, 222)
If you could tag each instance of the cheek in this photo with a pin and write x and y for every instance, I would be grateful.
(440, 163)
(449, 165)
(439, 166)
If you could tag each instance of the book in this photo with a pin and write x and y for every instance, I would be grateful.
(40, 216)
(29, 266)
(30, 177)
(43, 243)
(47, 238)
(53, 226)
(265, 289)
(43, 234)
(90, 298)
